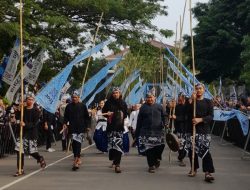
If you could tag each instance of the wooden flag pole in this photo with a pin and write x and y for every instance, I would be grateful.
(89, 58)
(194, 98)
(22, 87)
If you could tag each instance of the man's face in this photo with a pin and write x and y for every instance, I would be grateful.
(150, 99)
(199, 90)
(29, 101)
(116, 94)
(75, 99)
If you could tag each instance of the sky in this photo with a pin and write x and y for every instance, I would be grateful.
(175, 10)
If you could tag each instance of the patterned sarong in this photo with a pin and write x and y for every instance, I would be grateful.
(202, 144)
(146, 143)
(29, 146)
(78, 137)
(115, 141)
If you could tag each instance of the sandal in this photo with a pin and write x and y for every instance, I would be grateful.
(42, 162)
(158, 163)
(208, 177)
(151, 169)
(75, 165)
(190, 174)
(17, 174)
(117, 169)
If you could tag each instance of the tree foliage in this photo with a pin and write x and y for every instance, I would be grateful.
(222, 25)
(66, 27)
(245, 56)
(63, 24)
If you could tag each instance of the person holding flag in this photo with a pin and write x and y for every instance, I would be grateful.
(30, 134)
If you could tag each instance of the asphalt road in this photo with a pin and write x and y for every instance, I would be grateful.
(232, 173)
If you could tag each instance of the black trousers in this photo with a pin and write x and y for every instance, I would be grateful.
(35, 155)
(154, 154)
(49, 137)
(115, 156)
(76, 146)
(207, 162)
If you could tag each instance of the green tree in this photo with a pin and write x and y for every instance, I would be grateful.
(245, 56)
(66, 27)
(222, 24)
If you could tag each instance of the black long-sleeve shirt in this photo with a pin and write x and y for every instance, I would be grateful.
(31, 120)
(115, 106)
(150, 121)
(204, 110)
(78, 117)
(180, 121)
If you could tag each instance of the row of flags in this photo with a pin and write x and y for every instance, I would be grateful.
(49, 96)
(8, 70)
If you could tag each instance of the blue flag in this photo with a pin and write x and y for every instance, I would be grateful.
(129, 80)
(49, 95)
(244, 121)
(90, 85)
(132, 93)
(189, 74)
(222, 115)
(106, 83)
(139, 95)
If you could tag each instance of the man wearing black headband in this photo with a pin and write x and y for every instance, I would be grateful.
(202, 122)
(77, 116)
(149, 131)
(30, 134)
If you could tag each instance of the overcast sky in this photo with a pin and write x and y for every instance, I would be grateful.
(175, 9)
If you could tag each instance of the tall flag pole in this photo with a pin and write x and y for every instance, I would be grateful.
(86, 70)
(194, 98)
(22, 87)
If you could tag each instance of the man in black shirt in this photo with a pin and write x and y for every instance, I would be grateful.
(77, 116)
(202, 121)
(149, 131)
(30, 134)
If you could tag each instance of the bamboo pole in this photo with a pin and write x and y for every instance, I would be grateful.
(194, 98)
(89, 58)
(22, 111)
(181, 31)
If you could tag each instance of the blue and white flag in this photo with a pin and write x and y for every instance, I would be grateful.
(11, 68)
(233, 95)
(90, 85)
(128, 81)
(106, 83)
(244, 121)
(220, 88)
(35, 68)
(16, 83)
(49, 95)
(132, 93)
(139, 95)
(221, 115)
(189, 74)
(3, 66)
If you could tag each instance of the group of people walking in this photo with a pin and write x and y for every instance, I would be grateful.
(147, 124)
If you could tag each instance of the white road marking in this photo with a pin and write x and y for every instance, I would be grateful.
(37, 171)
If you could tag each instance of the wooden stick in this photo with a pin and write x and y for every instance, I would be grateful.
(194, 100)
(89, 58)
(22, 111)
